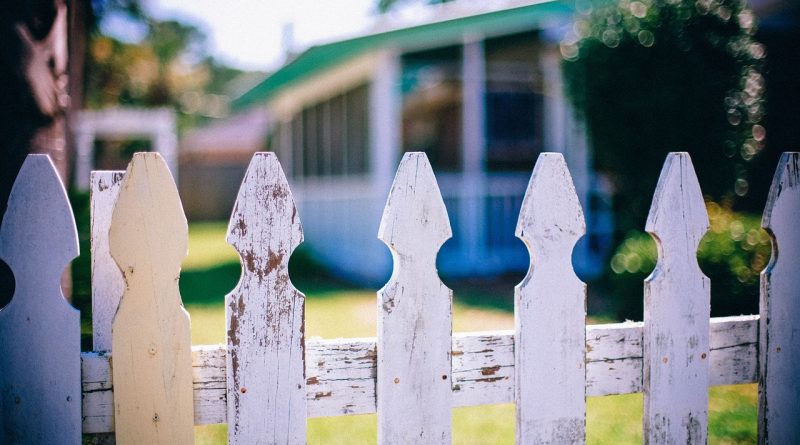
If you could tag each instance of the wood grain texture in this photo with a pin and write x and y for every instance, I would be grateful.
(414, 313)
(107, 282)
(39, 330)
(676, 311)
(779, 378)
(550, 311)
(265, 313)
(340, 379)
(151, 339)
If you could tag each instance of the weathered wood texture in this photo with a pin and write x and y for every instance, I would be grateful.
(550, 311)
(265, 314)
(151, 332)
(341, 373)
(676, 311)
(39, 330)
(414, 313)
(779, 377)
(107, 282)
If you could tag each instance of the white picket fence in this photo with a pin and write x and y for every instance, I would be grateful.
(268, 379)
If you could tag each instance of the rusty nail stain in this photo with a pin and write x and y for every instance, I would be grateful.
(444, 377)
(397, 379)
(703, 355)
(312, 381)
(152, 349)
(155, 417)
(778, 349)
(665, 360)
(69, 398)
(243, 389)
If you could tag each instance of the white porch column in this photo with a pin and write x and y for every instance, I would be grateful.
(562, 132)
(472, 210)
(385, 121)
(83, 160)
(385, 145)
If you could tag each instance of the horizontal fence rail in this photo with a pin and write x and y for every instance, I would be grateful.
(145, 383)
(341, 372)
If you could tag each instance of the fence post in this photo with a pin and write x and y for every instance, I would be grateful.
(414, 313)
(107, 282)
(550, 312)
(152, 362)
(779, 336)
(264, 313)
(676, 311)
(40, 367)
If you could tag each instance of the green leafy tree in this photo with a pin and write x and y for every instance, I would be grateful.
(653, 76)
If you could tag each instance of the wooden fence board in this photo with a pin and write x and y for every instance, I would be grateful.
(107, 282)
(39, 330)
(341, 372)
(676, 312)
(265, 313)
(414, 313)
(550, 311)
(779, 381)
(151, 332)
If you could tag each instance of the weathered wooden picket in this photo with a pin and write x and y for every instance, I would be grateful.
(268, 379)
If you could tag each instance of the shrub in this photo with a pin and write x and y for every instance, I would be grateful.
(732, 254)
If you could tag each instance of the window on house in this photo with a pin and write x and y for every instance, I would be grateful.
(330, 138)
(514, 102)
(432, 105)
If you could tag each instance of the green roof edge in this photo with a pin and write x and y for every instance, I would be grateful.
(317, 58)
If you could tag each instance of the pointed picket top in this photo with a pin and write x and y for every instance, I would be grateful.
(40, 381)
(551, 212)
(151, 342)
(415, 219)
(148, 206)
(676, 311)
(779, 388)
(414, 313)
(38, 225)
(678, 199)
(550, 223)
(266, 346)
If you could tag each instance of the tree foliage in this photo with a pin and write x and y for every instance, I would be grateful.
(653, 76)
(169, 67)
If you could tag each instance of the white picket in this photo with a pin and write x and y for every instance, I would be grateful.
(676, 311)
(107, 282)
(266, 353)
(414, 393)
(40, 368)
(550, 311)
(779, 385)
(151, 337)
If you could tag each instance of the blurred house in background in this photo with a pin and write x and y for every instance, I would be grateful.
(213, 160)
(476, 87)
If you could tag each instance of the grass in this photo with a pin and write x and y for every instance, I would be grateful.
(334, 309)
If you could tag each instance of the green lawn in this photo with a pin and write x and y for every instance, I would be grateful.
(337, 310)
